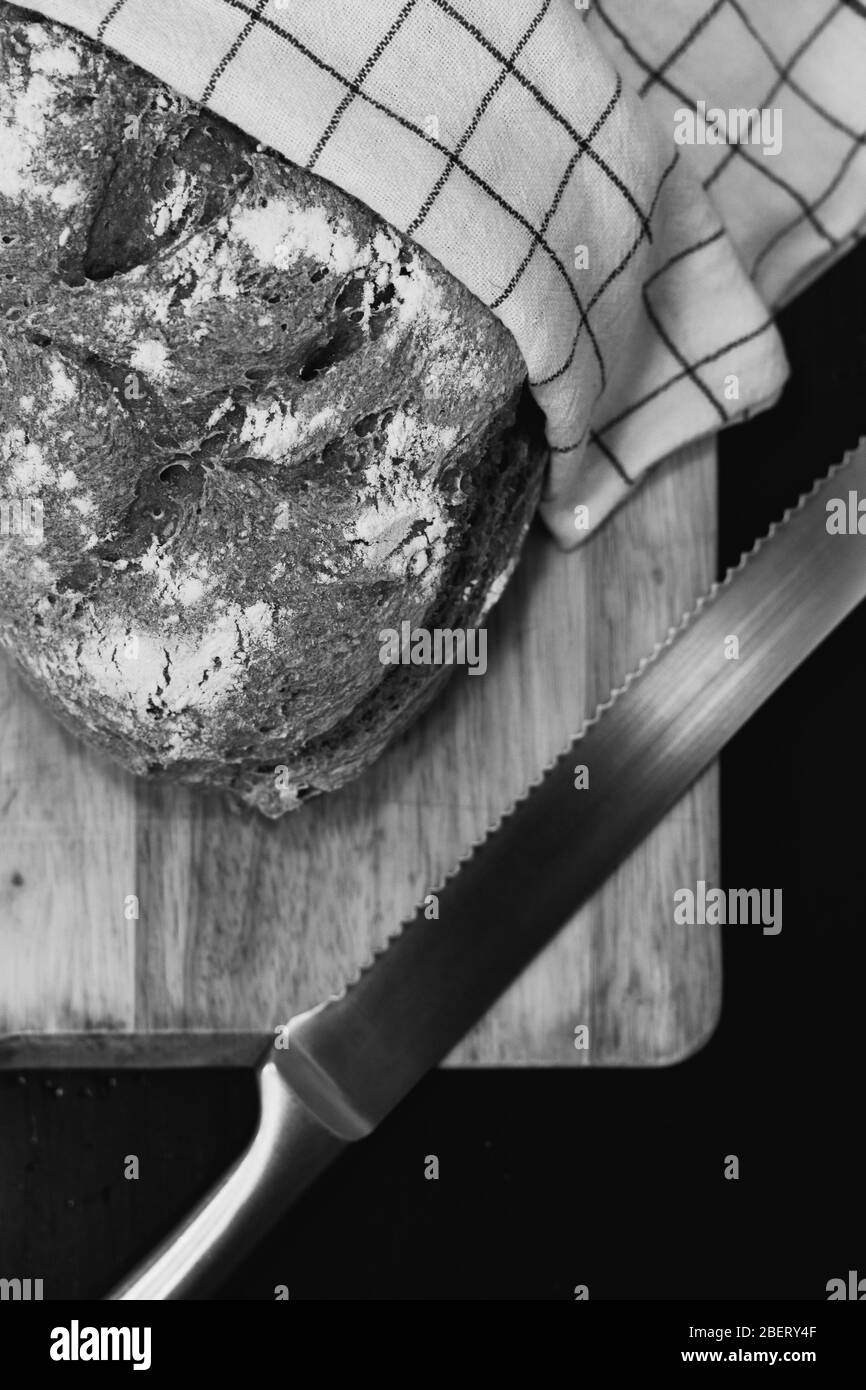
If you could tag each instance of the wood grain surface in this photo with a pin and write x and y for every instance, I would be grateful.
(243, 921)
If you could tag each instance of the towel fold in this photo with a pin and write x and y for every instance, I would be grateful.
(632, 186)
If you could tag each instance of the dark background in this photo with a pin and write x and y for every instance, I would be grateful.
(550, 1179)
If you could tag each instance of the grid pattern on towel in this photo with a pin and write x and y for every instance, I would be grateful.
(531, 148)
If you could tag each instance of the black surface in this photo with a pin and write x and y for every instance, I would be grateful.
(553, 1179)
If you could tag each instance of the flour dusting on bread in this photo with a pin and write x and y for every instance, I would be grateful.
(260, 425)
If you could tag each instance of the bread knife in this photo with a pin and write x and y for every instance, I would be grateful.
(347, 1063)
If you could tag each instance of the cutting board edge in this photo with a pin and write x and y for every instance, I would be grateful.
(169, 1049)
(177, 1050)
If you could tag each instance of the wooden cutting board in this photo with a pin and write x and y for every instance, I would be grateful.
(242, 922)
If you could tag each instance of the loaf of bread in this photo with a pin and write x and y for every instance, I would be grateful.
(255, 424)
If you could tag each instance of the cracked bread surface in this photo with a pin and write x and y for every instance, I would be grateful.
(262, 426)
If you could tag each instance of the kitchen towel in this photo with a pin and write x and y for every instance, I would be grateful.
(632, 186)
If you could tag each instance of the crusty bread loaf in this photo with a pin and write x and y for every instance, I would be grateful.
(262, 427)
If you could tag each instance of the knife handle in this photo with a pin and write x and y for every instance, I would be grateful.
(288, 1151)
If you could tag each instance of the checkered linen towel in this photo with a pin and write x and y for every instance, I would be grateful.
(549, 153)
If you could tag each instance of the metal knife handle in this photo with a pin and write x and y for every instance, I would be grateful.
(289, 1150)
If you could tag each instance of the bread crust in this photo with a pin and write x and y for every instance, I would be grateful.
(262, 425)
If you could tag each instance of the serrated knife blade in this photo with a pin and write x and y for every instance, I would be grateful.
(352, 1059)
